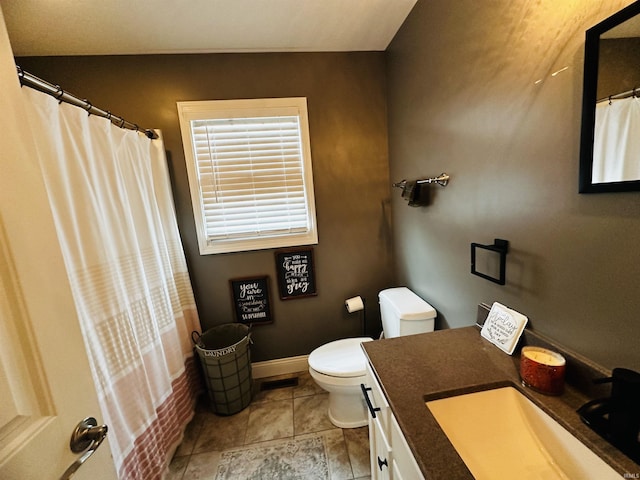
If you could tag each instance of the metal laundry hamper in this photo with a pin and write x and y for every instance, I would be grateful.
(226, 363)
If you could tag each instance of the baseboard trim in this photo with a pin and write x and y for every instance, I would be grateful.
(280, 366)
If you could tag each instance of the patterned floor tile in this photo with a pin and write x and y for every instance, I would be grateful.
(270, 420)
(219, 433)
(310, 414)
(273, 417)
(357, 440)
(202, 466)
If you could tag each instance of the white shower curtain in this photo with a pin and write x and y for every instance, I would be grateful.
(616, 146)
(110, 195)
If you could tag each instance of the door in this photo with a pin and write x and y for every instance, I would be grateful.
(381, 453)
(46, 387)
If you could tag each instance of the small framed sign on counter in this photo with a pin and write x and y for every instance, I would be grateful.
(251, 299)
(296, 273)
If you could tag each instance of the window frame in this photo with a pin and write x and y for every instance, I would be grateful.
(247, 108)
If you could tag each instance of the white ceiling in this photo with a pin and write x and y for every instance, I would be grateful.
(113, 27)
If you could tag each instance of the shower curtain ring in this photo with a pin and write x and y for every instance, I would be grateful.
(87, 106)
(610, 100)
(20, 75)
(59, 94)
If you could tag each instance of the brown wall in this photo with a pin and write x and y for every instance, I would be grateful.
(348, 124)
(463, 98)
(470, 92)
(618, 66)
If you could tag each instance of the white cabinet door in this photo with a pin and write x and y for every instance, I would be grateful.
(378, 401)
(381, 454)
(46, 387)
(391, 457)
(404, 465)
(379, 445)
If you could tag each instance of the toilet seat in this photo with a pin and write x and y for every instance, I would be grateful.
(341, 358)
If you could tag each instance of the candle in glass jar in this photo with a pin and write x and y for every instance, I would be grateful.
(543, 370)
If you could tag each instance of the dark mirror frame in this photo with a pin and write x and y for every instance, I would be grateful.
(589, 92)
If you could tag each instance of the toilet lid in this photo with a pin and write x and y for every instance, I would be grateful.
(342, 358)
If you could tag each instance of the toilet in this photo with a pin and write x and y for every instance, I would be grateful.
(339, 367)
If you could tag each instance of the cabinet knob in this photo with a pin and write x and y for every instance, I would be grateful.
(382, 463)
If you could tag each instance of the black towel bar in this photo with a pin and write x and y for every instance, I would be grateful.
(499, 246)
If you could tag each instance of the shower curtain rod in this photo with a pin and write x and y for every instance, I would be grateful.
(630, 93)
(30, 80)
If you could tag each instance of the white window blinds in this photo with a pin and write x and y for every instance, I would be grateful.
(250, 175)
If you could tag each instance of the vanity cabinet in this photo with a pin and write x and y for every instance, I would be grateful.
(404, 465)
(381, 459)
(390, 456)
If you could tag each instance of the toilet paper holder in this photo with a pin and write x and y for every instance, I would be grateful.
(354, 304)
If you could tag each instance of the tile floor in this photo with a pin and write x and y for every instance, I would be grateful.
(273, 415)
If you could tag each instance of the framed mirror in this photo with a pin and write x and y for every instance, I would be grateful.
(610, 136)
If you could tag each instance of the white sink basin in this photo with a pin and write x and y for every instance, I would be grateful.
(500, 433)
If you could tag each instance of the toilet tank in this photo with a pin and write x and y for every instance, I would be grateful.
(405, 313)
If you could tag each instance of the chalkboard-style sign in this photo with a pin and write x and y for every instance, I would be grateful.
(296, 273)
(251, 300)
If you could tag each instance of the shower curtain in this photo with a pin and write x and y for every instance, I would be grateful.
(616, 146)
(111, 199)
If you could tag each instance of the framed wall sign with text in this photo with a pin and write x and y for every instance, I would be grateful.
(296, 273)
(251, 300)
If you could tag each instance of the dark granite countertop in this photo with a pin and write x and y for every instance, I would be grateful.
(417, 368)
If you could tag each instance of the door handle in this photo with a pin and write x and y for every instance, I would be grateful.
(369, 404)
(85, 439)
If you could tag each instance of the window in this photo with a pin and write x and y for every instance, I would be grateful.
(249, 166)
